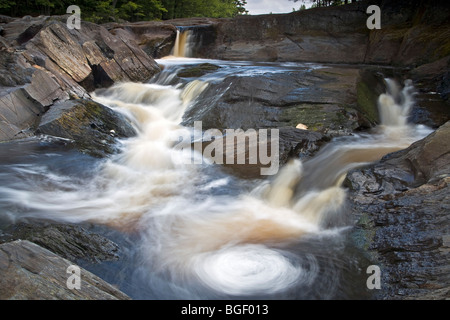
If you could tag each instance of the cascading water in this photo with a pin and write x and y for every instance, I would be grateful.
(183, 43)
(396, 104)
(194, 241)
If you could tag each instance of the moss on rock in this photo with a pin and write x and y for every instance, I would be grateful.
(325, 118)
(369, 86)
(92, 127)
(197, 71)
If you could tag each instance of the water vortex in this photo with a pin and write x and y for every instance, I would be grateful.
(249, 269)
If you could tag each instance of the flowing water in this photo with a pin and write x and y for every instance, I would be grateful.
(183, 43)
(192, 231)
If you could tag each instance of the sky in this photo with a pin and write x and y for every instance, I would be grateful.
(268, 6)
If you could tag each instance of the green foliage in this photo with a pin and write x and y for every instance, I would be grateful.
(45, 3)
(100, 11)
(203, 8)
(324, 3)
(104, 11)
(6, 4)
(142, 10)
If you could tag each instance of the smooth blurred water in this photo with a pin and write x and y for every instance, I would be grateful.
(191, 231)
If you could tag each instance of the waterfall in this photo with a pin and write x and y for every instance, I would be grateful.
(183, 43)
(394, 133)
(395, 105)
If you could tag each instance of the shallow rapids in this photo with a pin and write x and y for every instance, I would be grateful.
(200, 233)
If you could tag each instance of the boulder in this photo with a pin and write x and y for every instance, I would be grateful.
(19, 31)
(297, 143)
(43, 62)
(18, 113)
(92, 127)
(425, 161)
(56, 43)
(432, 81)
(324, 100)
(370, 84)
(13, 70)
(6, 19)
(197, 71)
(155, 38)
(71, 242)
(91, 56)
(22, 107)
(245, 150)
(30, 272)
(401, 204)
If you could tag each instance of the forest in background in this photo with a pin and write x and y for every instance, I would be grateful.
(101, 11)
(137, 10)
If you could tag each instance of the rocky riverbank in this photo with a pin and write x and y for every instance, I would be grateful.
(30, 272)
(43, 62)
(402, 205)
(47, 73)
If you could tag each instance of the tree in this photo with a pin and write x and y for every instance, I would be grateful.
(100, 11)
(141, 10)
(103, 12)
(45, 6)
(325, 3)
(7, 4)
(240, 5)
(203, 8)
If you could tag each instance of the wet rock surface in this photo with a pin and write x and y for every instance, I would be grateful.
(92, 127)
(324, 100)
(432, 81)
(14, 72)
(402, 205)
(338, 34)
(245, 149)
(30, 272)
(153, 37)
(43, 62)
(71, 242)
(197, 71)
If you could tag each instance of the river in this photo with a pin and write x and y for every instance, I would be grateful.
(189, 230)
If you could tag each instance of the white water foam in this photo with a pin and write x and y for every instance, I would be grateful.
(230, 244)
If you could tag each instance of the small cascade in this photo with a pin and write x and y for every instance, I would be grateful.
(346, 153)
(183, 43)
(395, 105)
